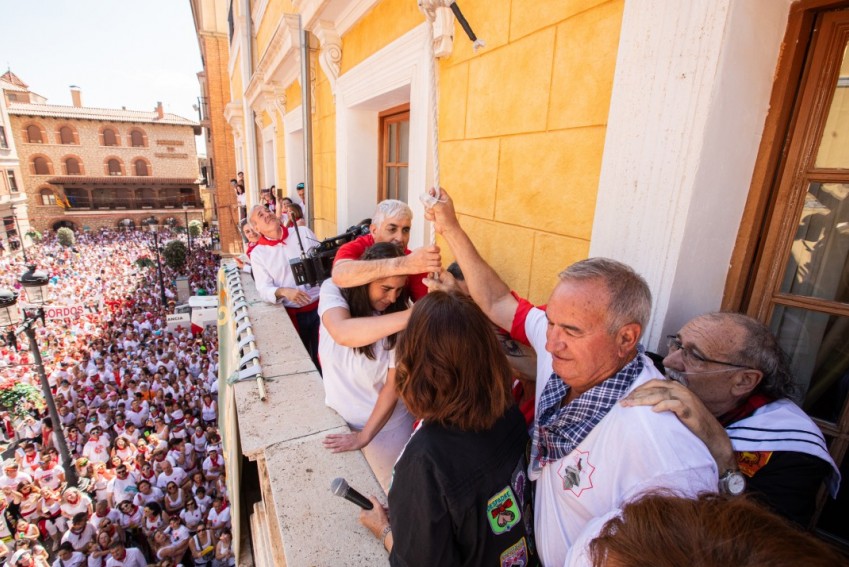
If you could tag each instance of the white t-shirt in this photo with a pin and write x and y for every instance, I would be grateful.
(630, 451)
(352, 381)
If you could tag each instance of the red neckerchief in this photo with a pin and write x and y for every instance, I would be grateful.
(746, 409)
(251, 246)
(264, 241)
(214, 461)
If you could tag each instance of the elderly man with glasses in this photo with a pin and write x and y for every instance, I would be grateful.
(731, 385)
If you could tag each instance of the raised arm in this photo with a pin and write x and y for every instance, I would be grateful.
(351, 273)
(485, 286)
(356, 332)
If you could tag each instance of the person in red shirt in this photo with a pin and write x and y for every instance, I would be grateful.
(391, 223)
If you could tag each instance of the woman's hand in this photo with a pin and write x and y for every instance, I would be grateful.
(341, 442)
(375, 519)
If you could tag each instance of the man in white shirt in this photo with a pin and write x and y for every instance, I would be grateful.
(125, 556)
(67, 557)
(589, 455)
(274, 278)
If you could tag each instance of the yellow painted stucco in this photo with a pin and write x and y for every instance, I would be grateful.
(522, 124)
(386, 22)
(274, 9)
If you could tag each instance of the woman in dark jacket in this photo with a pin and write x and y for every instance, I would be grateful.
(460, 494)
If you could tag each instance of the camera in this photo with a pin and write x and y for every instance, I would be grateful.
(315, 266)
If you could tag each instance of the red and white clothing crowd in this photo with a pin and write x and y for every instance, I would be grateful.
(137, 404)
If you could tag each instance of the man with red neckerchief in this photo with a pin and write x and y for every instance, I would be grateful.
(275, 280)
(122, 556)
(391, 223)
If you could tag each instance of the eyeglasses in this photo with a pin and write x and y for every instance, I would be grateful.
(674, 344)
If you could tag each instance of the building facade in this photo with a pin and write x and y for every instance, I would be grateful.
(88, 168)
(210, 20)
(699, 142)
(13, 202)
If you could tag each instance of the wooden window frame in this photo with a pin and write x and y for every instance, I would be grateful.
(51, 197)
(385, 118)
(41, 133)
(799, 104)
(114, 133)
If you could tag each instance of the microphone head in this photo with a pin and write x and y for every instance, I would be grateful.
(339, 486)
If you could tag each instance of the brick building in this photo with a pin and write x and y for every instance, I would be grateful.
(88, 168)
(210, 19)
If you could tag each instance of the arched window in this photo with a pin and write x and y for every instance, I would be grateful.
(113, 166)
(40, 166)
(137, 139)
(72, 166)
(109, 137)
(66, 135)
(34, 134)
(141, 168)
(47, 197)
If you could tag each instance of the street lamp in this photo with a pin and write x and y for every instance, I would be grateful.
(10, 316)
(154, 228)
(188, 231)
(20, 236)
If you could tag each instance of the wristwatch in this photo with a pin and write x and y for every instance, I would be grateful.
(732, 483)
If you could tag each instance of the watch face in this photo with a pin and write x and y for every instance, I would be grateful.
(736, 483)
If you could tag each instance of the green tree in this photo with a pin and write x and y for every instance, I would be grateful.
(34, 235)
(195, 228)
(65, 236)
(175, 255)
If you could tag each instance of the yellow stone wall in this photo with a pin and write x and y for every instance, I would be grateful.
(522, 125)
(324, 158)
(386, 22)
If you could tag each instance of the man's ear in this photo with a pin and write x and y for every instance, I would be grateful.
(746, 381)
(627, 338)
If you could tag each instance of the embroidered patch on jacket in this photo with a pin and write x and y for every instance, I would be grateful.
(751, 462)
(516, 555)
(502, 511)
(577, 472)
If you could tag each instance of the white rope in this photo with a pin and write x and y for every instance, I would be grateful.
(434, 119)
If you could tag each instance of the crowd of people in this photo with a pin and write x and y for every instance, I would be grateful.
(137, 402)
(616, 434)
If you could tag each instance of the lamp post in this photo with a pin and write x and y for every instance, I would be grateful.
(20, 236)
(188, 231)
(154, 228)
(34, 282)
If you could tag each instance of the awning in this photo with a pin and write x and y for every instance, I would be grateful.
(71, 180)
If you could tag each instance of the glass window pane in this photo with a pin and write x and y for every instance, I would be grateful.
(834, 145)
(819, 357)
(818, 265)
(404, 135)
(392, 140)
(391, 183)
(402, 184)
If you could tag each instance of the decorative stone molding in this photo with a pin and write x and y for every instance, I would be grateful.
(439, 14)
(234, 115)
(330, 54)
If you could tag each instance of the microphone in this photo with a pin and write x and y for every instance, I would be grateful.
(340, 487)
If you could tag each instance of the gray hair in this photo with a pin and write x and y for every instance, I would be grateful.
(253, 210)
(389, 209)
(760, 351)
(630, 297)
